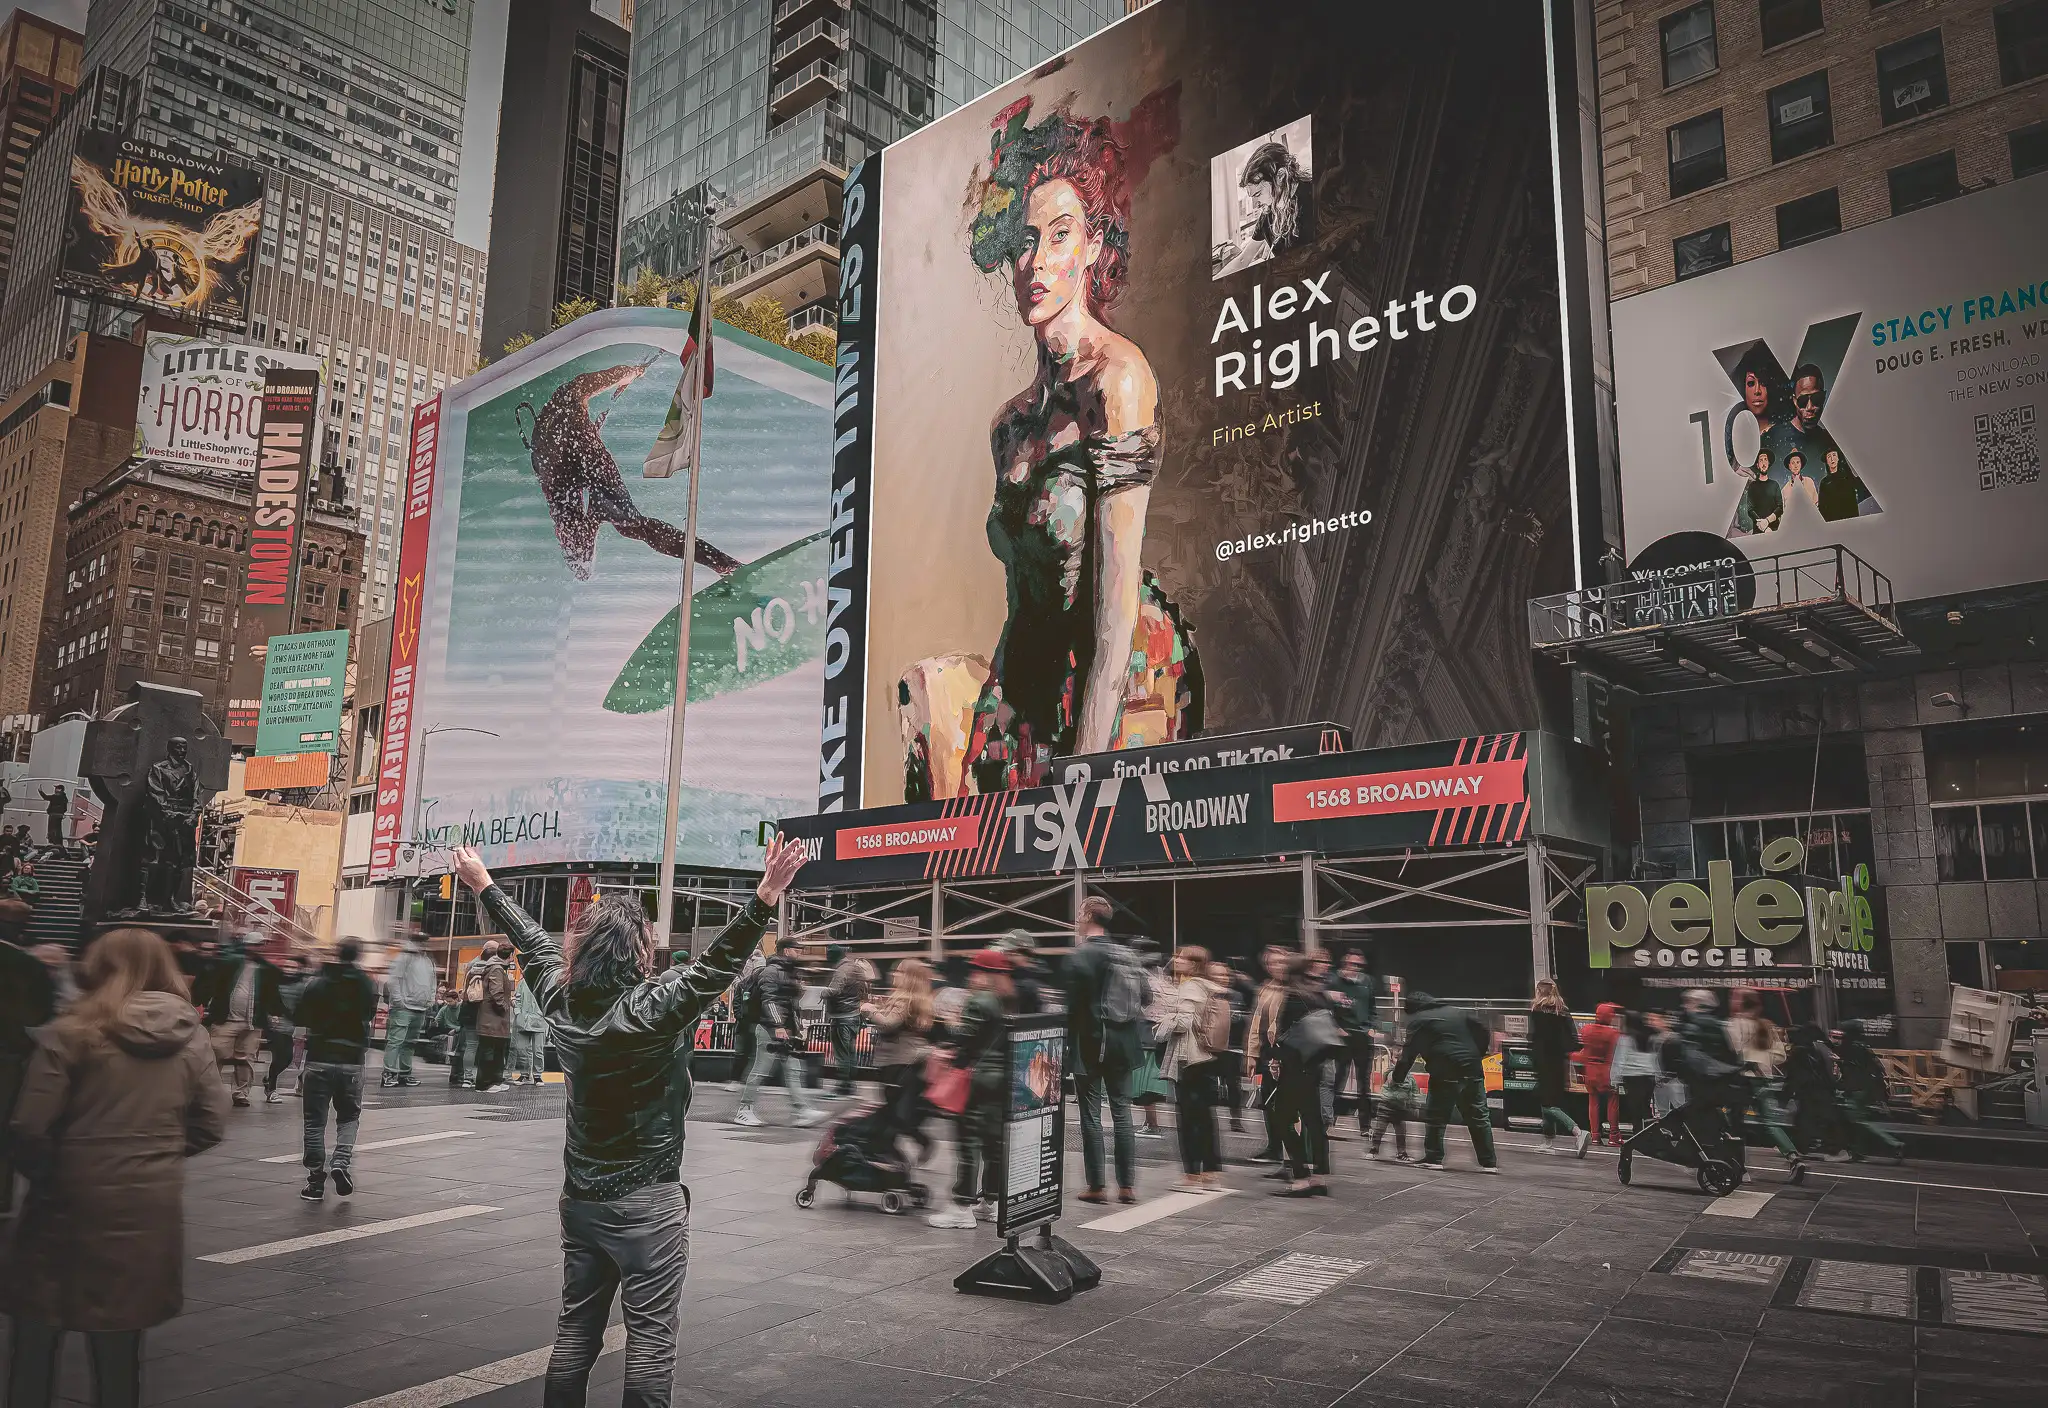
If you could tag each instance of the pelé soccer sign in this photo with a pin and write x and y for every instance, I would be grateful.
(1718, 925)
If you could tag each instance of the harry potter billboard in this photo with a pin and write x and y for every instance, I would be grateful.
(1210, 378)
(153, 226)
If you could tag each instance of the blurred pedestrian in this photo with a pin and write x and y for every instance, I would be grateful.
(1309, 1039)
(1597, 1041)
(1716, 1088)
(1261, 1056)
(1354, 998)
(1397, 1104)
(120, 1091)
(779, 1033)
(745, 1014)
(1149, 1089)
(979, 1168)
(902, 1021)
(409, 985)
(625, 1215)
(1197, 1031)
(280, 1035)
(28, 998)
(1811, 1084)
(1106, 993)
(529, 1037)
(494, 1019)
(1230, 1070)
(1027, 974)
(239, 992)
(1553, 1037)
(846, 992)
(336, 1011)
(462, 1064)
(1865, 1091)
(1634, 1070)
(1453, 1044)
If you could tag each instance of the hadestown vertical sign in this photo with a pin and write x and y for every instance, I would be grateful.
(1781, 920)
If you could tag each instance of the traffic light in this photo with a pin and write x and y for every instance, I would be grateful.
(447, 887)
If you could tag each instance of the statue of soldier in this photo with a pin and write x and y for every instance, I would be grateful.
(171, 818)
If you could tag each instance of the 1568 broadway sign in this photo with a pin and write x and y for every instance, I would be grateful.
(1717, 925)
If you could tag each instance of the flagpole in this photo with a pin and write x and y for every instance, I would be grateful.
(665, 901)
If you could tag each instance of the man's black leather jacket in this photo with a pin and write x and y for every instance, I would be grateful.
(625, 1055)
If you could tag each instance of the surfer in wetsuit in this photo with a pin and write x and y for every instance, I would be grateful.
(581, 482)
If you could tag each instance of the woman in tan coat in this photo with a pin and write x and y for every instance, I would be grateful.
(120, 1091)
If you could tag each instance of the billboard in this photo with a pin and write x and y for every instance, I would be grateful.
(1880, 389)
(148, 225)
(1210, 378)
(287, 433)
(304, 678)
(202, 401)
(535, 627)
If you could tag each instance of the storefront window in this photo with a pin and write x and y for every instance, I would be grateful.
(1836, 842)
(1997, 841)
(1957, 854)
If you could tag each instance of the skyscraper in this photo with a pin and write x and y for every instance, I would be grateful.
(38, 67)
(771, 102)
(561, 145)
(363, 97)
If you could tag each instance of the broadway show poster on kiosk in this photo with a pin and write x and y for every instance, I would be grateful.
(1881, 389)
(149, 225)
(1209, 378)
(534, 635)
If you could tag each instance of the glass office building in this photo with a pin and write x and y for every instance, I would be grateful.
(359, 96)
(759, 97)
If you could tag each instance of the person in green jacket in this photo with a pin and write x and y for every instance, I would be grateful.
(979, 1049)
(529, 1037)
(1453, 1044)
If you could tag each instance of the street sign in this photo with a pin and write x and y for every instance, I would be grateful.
(304, 677)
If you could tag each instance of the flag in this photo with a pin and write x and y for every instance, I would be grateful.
(669, 455)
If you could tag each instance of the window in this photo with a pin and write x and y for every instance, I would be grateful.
(1987, 762)
(1688, 43)
(1786, 20)
(1702, 252)
(1928, 181)
(1699, 156)
(1911, 78)
(1836, 842)
(2029, 150)
(1800, 121)
(210, 613)
(170, 646)
(315, 593)
(2022, 29)
(215, 580)
(1809, 218)
(204, 649)
(1996, 841)
(143, 560)
(177, 608)
(142, 601)
(180, 566)
(1779, 779)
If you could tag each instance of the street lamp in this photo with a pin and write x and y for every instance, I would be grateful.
(420, 784)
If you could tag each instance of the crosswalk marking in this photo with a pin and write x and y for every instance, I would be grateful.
(1295, 1279)
(351, 1233)
(1165, 1205)
(381, 1144)
(485, 1378)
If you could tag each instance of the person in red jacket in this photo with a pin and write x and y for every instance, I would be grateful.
(1596, 1058)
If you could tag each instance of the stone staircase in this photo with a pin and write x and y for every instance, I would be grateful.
(60, 903)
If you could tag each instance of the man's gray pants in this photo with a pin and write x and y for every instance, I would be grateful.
(637, 1246)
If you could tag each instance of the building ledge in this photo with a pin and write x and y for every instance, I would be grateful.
(1821, 611)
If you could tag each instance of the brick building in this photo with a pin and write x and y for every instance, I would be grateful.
(153, 569)
(38, 69)
(1731, 129)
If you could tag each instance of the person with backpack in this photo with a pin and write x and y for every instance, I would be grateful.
(462, 1048)
(846, 992)
(779, 1031)
(490, 987)
(1809, 1083)
(1309, 1038)
(1716, 1089)
(1197, 1034)
(979, 1164)
(1106, 995)
(1865, 1089)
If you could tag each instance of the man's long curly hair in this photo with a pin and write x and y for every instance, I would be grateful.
(608, 947)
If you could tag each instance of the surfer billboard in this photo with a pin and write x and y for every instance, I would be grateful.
(534, 638)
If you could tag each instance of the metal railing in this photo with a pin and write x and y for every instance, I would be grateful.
(815, 316)
(241, 912)
(827, 69)
(735, 269)
(790, 7)
(813, 30)
(1725, 588)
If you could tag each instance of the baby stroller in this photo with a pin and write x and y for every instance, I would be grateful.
(858, 1152)
(1692, 1136)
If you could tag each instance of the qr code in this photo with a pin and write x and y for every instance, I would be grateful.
(2008, 449)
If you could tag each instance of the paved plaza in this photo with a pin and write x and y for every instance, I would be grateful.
(437, 1282)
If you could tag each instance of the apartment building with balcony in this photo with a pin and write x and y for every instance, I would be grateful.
(769, 103)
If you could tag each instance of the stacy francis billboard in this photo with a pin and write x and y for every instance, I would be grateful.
(1210, 378)
(1493, 790)
(1880, 389)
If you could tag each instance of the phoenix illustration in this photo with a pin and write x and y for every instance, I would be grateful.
(162, 260)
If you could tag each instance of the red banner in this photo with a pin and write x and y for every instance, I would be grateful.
(1417, 790)
(959, 833)
(275, 891)
(409, 599)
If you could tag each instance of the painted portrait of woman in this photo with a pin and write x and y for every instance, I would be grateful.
(1092, 656)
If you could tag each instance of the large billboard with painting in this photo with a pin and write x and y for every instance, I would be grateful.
(535, 626)
(1880, 389)
(1211, 377)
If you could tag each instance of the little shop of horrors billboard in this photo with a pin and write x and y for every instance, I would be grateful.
(1210, 378)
